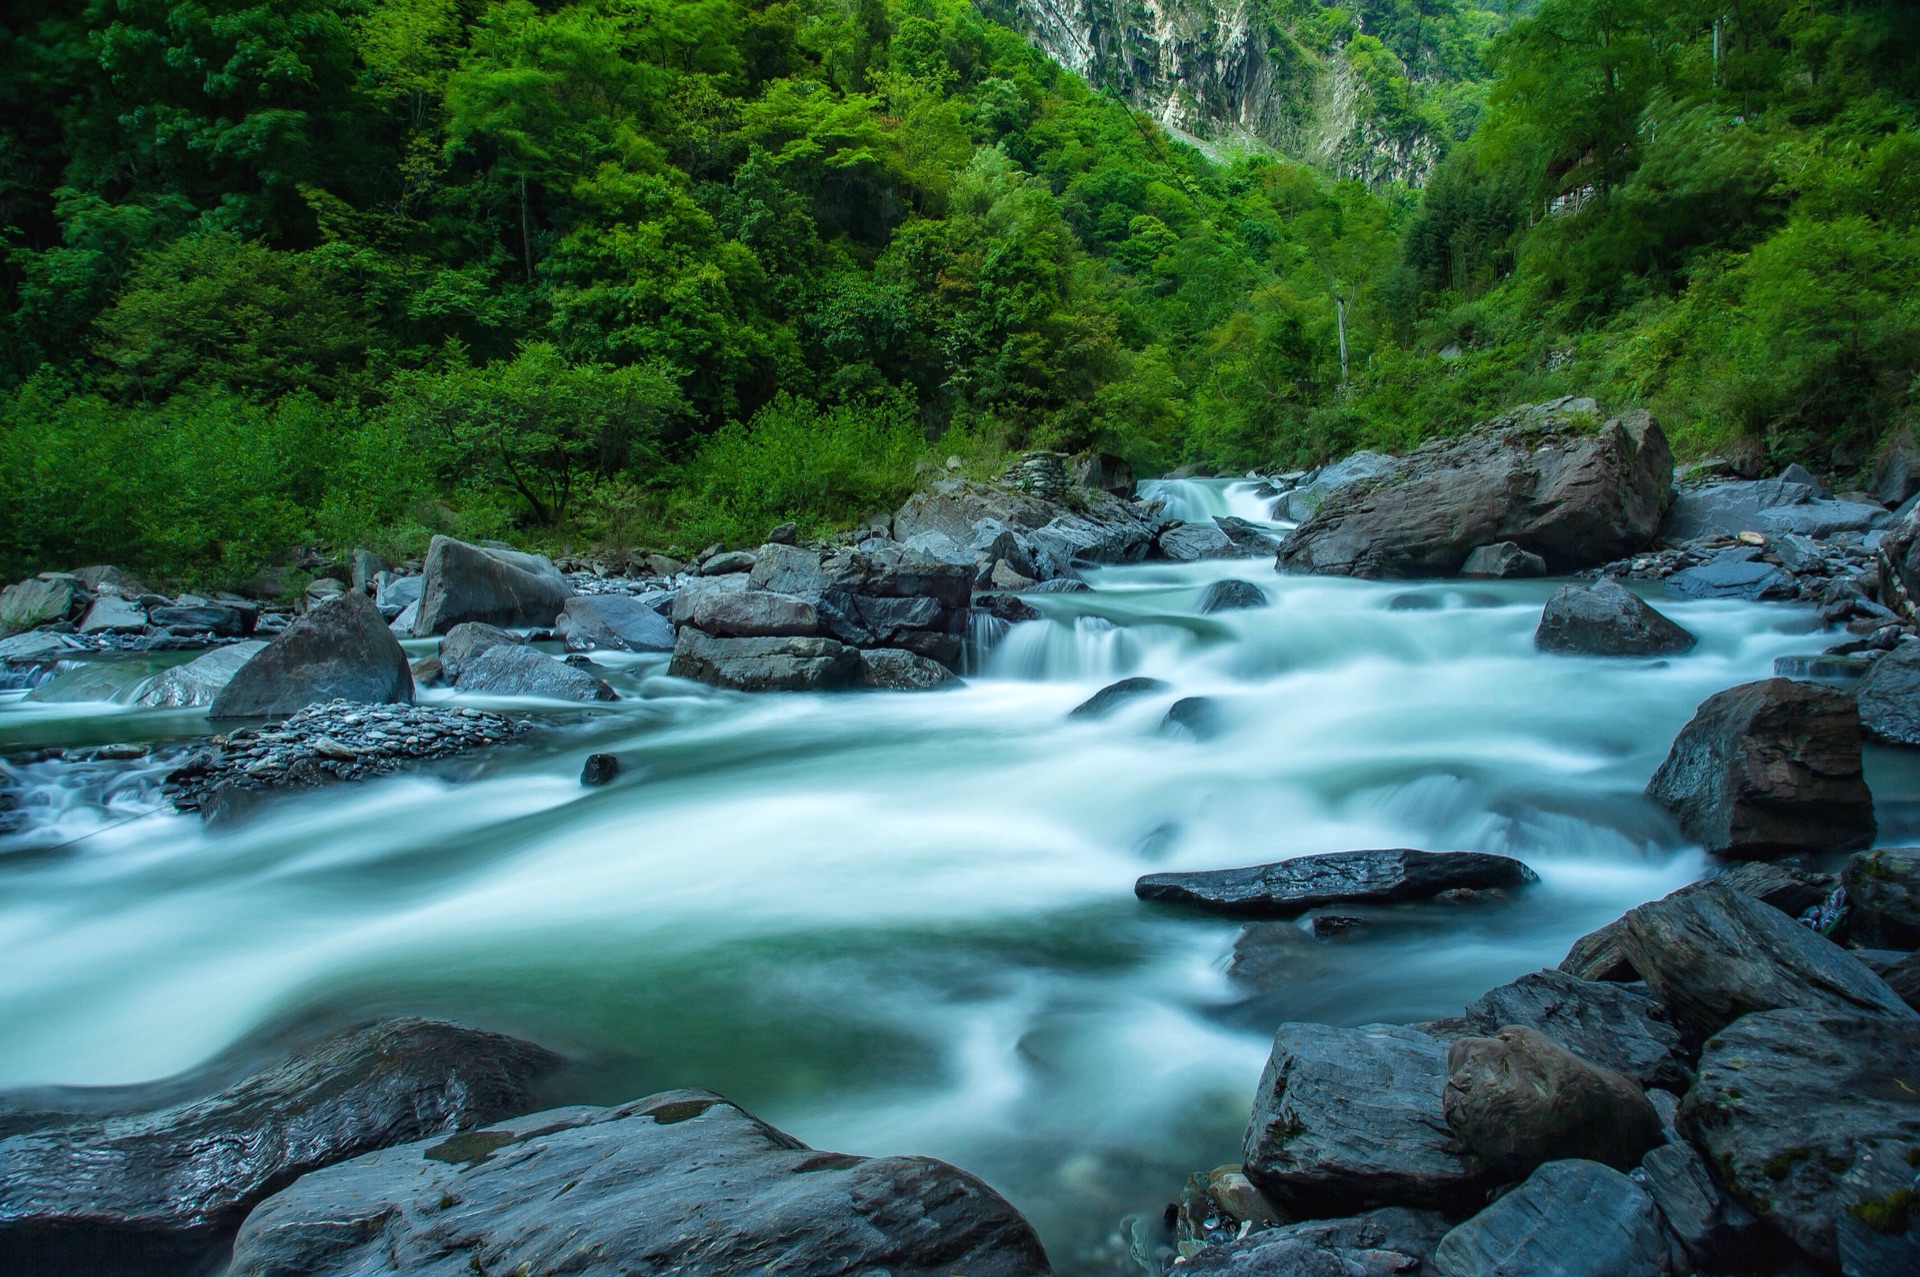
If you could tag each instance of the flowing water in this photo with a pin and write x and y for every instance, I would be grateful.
(894, 923)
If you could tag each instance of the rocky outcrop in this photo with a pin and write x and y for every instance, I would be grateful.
(462, 582)
(1537, 477)
(1769, 769)
(161, 1189)
(1349, 1119)
(1291, 887)
(1883, 894)
(1607, 619)
(754, 613)
(1803, 1113)
(1713, 954)
(1518, 1099)
(340, 650)
(680, 1182)
(1569, 1219)
(615, 621)
(512, 669)
(765, 664)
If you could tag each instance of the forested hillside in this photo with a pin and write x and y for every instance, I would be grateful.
(656, 271)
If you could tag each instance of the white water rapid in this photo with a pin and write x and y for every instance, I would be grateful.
(889, 922)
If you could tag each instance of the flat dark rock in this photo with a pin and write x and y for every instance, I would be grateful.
(1114, 695)
(1291, 887)
(153, 1191)
(682, 1182)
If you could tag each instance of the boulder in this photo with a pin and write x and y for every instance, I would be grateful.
(1803, 1113)
(728, 561)
(787, 569)
(1190, 542)
(1601, 955)
(363, 570)
(395, 594)
(1883, 888)
(1114, 695)
(1889, 697)
(953, 506)
(1254, 541)
(890, 669)
(1607, 619)
(462, 582)
(1718, 1232)
(27, 604)
(219, 619)
(1372, 1244)
(104, 578)
(1903, 977)
(1792, 891)
(1291, 887)
(1354, 470)
(1728, 509)
(1503, 560)
(35, 648)
(1194, 718)
(682, 1182)
(466, 641)
(1616, 1026)
(1124, 537)
(1569, 1219)
(616, 621)
(688, 596)
(197, 682)
(1536, 478)
(1748, 579)
(161, 1189)
(111, 614)
(754, 613)
(1769, 769)
(1713, 954)
(765, 664)
(341, 649)
(513, 669)
(1518, 1099)
(1231, 596)
(1349, 1119)
(320, 589)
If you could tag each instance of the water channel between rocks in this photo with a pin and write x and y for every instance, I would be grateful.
(901, 923)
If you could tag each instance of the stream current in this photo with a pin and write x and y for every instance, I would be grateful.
(894, 923)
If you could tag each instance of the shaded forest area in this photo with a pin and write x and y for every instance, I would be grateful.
(661, 272)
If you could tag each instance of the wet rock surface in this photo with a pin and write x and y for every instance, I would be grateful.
(765, 664)
(341, 649)
(1569, 1219)
(1883, 894)
(338, 741)
(680, 1182)
(893, 669)
(616, 621)
(499, 586)
(1768, 769)
(1607, 619)
(159, 1190)
(1717, 1231)
(1231, 596)
(1619, 1027)
(512, 669)
(1114, 695)
(1291, 887)
(1518, 1099)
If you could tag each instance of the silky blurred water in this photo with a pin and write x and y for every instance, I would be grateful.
(893, 922)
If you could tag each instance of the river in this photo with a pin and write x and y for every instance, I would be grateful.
(896, 923)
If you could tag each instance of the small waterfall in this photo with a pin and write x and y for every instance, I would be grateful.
(1198, 500)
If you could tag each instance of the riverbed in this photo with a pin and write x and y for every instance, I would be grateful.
(894, 923)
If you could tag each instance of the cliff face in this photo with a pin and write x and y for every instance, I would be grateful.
(1220, 71)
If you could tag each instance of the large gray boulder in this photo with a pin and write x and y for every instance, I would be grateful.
(1713, 954)
(682, 1182)
(1569, 1219)
(341, 649)
(1518, 1099)
(513, 669)
(1883, 888)
(1616, 1026)
(1291, 887)
(1536, 478)
(1769, 769)
(619, 622)
(1810, 1118)
(223, 620)
(466, 641)
(111, 614)
(754, 613)
(1607, 619)
(765, 664)
(462, 582)
(158, 1185)
(198, 681)
(1191, 542)
(27, 604)
(1349, 1119)
(1889, 697)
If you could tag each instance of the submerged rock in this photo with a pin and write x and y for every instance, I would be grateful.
(1349, 1119)
(1569, 1219)
(1713, 954)
(682, 1182)
(462, 582)
(1518, 1099)
(341, 649)
(1803, 1113)
(1230, 596)
(1114, 695)
(160, 1189)
(1291, 887)
(1607, 619)
(1769, 769)
(1195, 718)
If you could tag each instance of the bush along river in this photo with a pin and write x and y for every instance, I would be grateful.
(425, 934)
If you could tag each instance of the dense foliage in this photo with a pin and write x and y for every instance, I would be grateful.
(646, 271)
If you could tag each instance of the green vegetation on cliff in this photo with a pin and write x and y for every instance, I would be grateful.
(641, 271)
